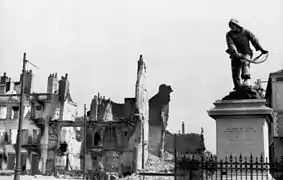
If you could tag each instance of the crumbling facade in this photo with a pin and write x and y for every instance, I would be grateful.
(40, 138)
(117, 134)
(158, 117)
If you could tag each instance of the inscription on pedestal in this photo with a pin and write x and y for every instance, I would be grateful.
(244, 134)
(246, 129)
(240, 136)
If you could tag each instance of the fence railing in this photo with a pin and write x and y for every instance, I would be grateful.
(228, 168)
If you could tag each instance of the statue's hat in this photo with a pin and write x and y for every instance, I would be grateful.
(236, 22)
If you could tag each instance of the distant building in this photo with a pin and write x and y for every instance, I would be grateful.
(274, 98)
(38, 142)
(186, 144)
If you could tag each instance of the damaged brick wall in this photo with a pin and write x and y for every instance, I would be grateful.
(158, 117)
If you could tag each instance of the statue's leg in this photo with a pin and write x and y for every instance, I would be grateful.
(236, 72)
(246, 75)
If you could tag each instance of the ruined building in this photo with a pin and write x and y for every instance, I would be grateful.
(187, 143)
(117, 134)
(40, 109)
(191, 144)
(161, 140)
(158, 117)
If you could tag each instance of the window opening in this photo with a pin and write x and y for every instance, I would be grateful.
(96, 139)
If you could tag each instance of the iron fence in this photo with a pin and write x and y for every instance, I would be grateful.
(251, 167)
(201, 166)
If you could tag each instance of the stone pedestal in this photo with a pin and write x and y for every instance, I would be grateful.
(243, 127)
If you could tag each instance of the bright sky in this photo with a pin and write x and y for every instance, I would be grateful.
(98, 44)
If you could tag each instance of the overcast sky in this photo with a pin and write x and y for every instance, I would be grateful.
(98, 44)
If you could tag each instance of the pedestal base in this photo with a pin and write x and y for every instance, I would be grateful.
(243, 128)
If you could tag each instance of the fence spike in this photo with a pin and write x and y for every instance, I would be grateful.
(251, 158)
(226, 159)
(261, 158)
(245, 159)
(266, 164)
(211, 157)
(231, 158)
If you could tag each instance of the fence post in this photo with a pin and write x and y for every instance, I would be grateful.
(175, 157)
(85, 147)
(221, 169)
(251, 166)
(67, 162)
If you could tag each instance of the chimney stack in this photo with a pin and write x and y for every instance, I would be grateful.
(5, 78)
(63, 88)
(183, 127)
(52, 84)
(28, 81)
(94, 109)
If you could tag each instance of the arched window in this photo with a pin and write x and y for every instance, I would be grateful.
(15, 110)
(96, 139)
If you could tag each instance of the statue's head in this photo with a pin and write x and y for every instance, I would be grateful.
(235, 25)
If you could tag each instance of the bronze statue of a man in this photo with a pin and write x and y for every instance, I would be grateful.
(238, 41)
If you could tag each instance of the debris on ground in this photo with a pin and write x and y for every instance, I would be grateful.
(155, 165)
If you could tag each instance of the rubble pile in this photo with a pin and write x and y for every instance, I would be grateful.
(156, 165)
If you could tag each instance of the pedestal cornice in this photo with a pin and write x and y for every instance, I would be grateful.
(245, 107)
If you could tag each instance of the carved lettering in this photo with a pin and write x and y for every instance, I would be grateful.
(241, 129)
